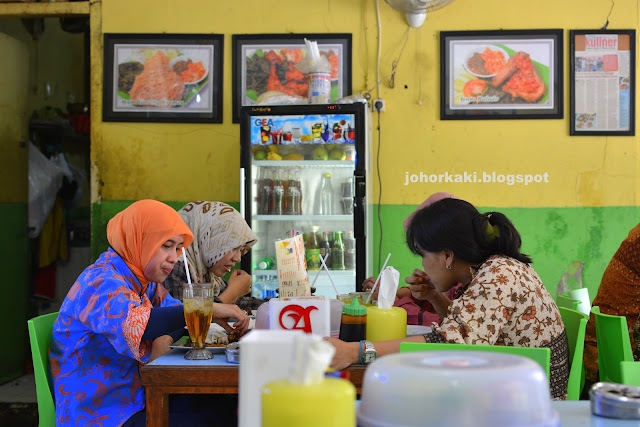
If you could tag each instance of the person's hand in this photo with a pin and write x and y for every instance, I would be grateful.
(367, 285)
(347, 353)
(421, 287)
(239, 284)
(160, 346)
(222, 313)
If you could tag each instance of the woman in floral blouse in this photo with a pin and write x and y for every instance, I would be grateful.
(502, 300)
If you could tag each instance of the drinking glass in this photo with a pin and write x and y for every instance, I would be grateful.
(198, 310)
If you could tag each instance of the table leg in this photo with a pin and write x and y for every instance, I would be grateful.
(157, 407)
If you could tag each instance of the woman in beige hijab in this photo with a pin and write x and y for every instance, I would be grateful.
(221, 237)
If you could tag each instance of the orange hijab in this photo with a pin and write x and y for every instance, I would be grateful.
(137, 233)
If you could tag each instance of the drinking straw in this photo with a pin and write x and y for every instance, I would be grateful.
(319, 271)
(186, 264)
(378, 279)
(329, 274)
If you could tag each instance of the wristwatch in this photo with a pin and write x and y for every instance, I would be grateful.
(369, 352)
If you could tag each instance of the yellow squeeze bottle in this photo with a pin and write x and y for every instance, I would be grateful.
(329, 403)
(385, 324)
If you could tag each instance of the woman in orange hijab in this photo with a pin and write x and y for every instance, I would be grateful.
(117, 316)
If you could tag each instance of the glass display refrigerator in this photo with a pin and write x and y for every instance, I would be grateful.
(304, 170)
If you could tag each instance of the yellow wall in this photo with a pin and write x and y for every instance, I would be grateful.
(13, 109)
(201, 161)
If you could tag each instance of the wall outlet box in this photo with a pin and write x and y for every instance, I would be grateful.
(378, 105)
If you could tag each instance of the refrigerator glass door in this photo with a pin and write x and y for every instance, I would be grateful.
(301, 179)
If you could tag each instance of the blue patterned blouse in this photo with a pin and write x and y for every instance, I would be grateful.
(96, 348)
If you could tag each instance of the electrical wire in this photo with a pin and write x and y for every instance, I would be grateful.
(393, 69)
(379, 191)
(379, 46)
(419, 73)
(606, 24)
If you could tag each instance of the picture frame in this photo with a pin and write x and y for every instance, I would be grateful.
(501, 74)
(190, 90)
(602, 82)
(252, 70)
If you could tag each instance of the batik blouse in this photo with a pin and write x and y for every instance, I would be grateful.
(96, 344)
(506, 304)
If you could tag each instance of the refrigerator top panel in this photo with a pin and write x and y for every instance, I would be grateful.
(303, 129)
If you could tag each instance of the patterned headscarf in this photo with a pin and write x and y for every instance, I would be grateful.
(219, 228)
(137, 233)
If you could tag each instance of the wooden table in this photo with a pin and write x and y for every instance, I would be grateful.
(172, 374)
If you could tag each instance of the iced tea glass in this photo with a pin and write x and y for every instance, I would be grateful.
(197, 300)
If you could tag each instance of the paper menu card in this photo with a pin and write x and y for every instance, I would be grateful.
(293, 280)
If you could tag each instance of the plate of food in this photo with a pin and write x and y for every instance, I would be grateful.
(191, 70)
(185, 343)
(486, 61)
(417, 330)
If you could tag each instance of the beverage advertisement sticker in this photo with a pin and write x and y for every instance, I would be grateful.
(307, 129)
(293, 280)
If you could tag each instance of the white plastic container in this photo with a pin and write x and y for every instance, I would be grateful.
(455, 388)
(319, 88)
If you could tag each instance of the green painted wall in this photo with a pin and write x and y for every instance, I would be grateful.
(101, 213)
(14, 288)
(553, 237)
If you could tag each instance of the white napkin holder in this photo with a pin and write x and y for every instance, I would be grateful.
(266, 356)
(306, 315)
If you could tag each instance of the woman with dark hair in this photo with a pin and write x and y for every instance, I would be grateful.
(502, 300)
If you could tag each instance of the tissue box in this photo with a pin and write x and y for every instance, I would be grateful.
(306, 315)
(266, 356)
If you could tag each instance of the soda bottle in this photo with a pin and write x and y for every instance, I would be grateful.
(350, 251)
(277, 196)
(291, 195)
(266, 263)
(264, 191)
(313, 250)
(299, 187)
(337, 252)
(324, 204)
(325, 248)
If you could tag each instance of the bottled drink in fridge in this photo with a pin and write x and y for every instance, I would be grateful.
(324, 205)
(292, 194)
(325, 248)
(264, 191)
(313, 250)
(350, 251)
(338, 252)
(276, 207)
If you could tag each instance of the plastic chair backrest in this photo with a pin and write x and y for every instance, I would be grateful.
(566, 302)
(540, 355)
(40, 336)
(630, 372)
(575, 324)
(582, 295)
(614, 345)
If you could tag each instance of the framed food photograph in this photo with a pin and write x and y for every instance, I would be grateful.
(505, 74)
(266, 65)
(163, 78)
(603, 82)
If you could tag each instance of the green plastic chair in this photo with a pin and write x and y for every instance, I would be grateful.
(614, 345)
(582, 295)
(540, 355)
(575, 324)
(630, 372)
(40, 336)
(566, 302)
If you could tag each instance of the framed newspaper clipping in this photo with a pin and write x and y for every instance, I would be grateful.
(603, 82)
